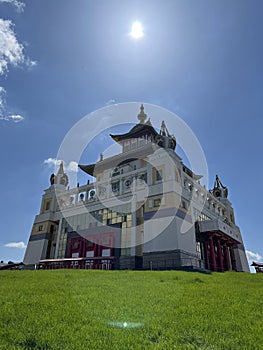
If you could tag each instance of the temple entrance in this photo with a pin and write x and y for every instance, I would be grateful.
(217, 251)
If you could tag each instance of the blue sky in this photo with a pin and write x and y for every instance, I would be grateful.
(62, 59)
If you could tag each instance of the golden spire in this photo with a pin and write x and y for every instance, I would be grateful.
(142, 116)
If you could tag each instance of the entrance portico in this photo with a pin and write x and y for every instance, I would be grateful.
(218, 252)
(218, 245)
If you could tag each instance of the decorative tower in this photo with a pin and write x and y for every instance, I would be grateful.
(61, 178)
(219, 190)
(221, 193)
(236, 249)
(42, 241)
(164, 139)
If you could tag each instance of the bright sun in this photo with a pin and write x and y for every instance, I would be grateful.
(136, 30)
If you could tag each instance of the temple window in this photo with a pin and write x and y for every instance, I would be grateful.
(116, 172)
(198, 249)
(143, 178)
(81, 197)
(127, 184)
(115, 186)
(141, 141)
(184, 204)
(105, 252)
(158, 175)
(177, 175)
(106, 240)
(126, 146)
(157, 202)
(133, 143)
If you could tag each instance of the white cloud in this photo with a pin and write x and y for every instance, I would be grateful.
(52, 162)
(16, 118)
(18, 245)
(71, 167)
(30, 63)
(11, 54)
(110, 102)
(11, 51)
(2, 99)
(253, 256)
(18, 4)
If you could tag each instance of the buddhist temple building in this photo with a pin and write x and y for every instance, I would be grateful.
(145, 209)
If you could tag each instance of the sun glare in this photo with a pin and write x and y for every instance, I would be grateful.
(136, 30)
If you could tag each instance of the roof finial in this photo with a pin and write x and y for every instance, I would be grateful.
(60, 178)
(61, 169)
(164, 130)
(142, 116)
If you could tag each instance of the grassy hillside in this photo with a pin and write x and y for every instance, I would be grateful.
(65, 309)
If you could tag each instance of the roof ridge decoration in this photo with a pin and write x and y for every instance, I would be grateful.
(148, 122)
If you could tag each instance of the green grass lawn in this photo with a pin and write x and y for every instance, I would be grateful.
(78, 309)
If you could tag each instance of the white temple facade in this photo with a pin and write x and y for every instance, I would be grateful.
(144, 210)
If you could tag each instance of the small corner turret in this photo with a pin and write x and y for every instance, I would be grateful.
(164, 139)
(61, 178)
(219, 190)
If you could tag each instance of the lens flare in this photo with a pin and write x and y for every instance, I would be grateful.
(126, 324)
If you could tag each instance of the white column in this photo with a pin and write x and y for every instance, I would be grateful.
(58, 238)
(133, 228)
